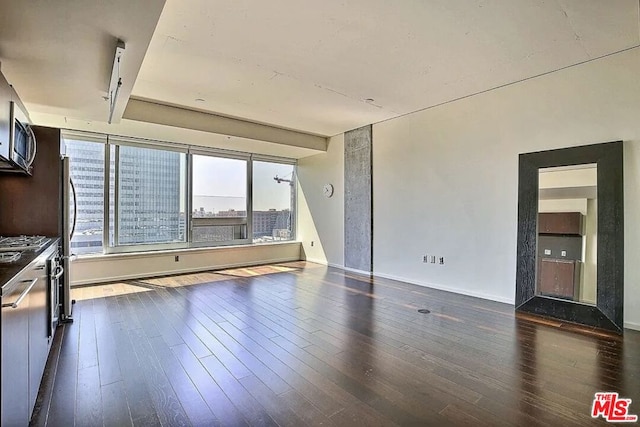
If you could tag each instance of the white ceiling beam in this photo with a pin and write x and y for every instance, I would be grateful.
(163, 114)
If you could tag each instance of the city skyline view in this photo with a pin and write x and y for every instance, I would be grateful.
(226, 179)
(215, 204)
(152, 190)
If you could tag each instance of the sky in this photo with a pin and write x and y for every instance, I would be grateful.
(226, 178)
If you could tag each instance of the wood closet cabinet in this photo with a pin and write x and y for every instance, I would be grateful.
(559, 278)
(561, 223)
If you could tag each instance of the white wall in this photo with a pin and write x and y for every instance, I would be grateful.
(573, 177)
(321, 219)
(589, 269)
(563, 205)
(632, 233)
(128, 266)
(446, 178)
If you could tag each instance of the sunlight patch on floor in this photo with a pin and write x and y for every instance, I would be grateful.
(137, 285)
(106, 290)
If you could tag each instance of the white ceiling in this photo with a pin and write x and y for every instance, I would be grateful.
(313, 68)
(59, 54)
(322, 69)
(568, 182)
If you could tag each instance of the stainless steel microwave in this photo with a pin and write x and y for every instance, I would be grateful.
(18, 153)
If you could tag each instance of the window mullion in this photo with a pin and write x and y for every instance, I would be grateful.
(250, 200)
(105, 195)
(116, 198)
(294, 202)
(189, 204)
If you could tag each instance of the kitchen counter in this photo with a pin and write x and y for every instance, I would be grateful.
(11, 270)
(27, 327)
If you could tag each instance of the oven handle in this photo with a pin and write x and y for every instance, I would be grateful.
(22, 295)
(59, 272)
(32, 157)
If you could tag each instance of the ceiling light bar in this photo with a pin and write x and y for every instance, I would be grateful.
(116, 80)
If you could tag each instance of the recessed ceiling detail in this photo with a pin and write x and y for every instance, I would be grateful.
(311, 68)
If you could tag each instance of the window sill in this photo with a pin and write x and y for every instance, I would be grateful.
(181, 251)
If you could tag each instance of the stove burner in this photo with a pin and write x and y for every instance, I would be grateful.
(21, 243)
(7, 257)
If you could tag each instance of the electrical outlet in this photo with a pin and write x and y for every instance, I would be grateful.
(177, 258)
(312, 243)
(433, 259)
(441, 260)
(425, 258)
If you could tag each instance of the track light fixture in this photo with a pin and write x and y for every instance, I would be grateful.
(116, 81)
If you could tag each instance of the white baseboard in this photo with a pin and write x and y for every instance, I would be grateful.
(317, 261)
(423, 284)
(330, 264)
(180, 271)
(481, 295)
(632, 325)
(350, 270)
(356, 271)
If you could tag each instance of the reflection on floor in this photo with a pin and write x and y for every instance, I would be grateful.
(100, 290)
(314, 345)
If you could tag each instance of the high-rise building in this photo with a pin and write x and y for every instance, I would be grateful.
(272, 223)
(148, 193)
(87, 172)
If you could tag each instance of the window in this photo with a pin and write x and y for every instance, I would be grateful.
(163, 196)
(87, 172)
(219, 199)
(151, 190)
(273, 201)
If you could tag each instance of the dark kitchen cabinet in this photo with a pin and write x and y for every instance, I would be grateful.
(15, 353)
(561, 223)
(39, 339)
(5, 121)
(559, 278)
(25, 338)
(31, 204)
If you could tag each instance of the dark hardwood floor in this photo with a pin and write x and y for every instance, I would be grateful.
(318, 346)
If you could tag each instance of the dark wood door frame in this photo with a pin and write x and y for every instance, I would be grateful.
(608, 313)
